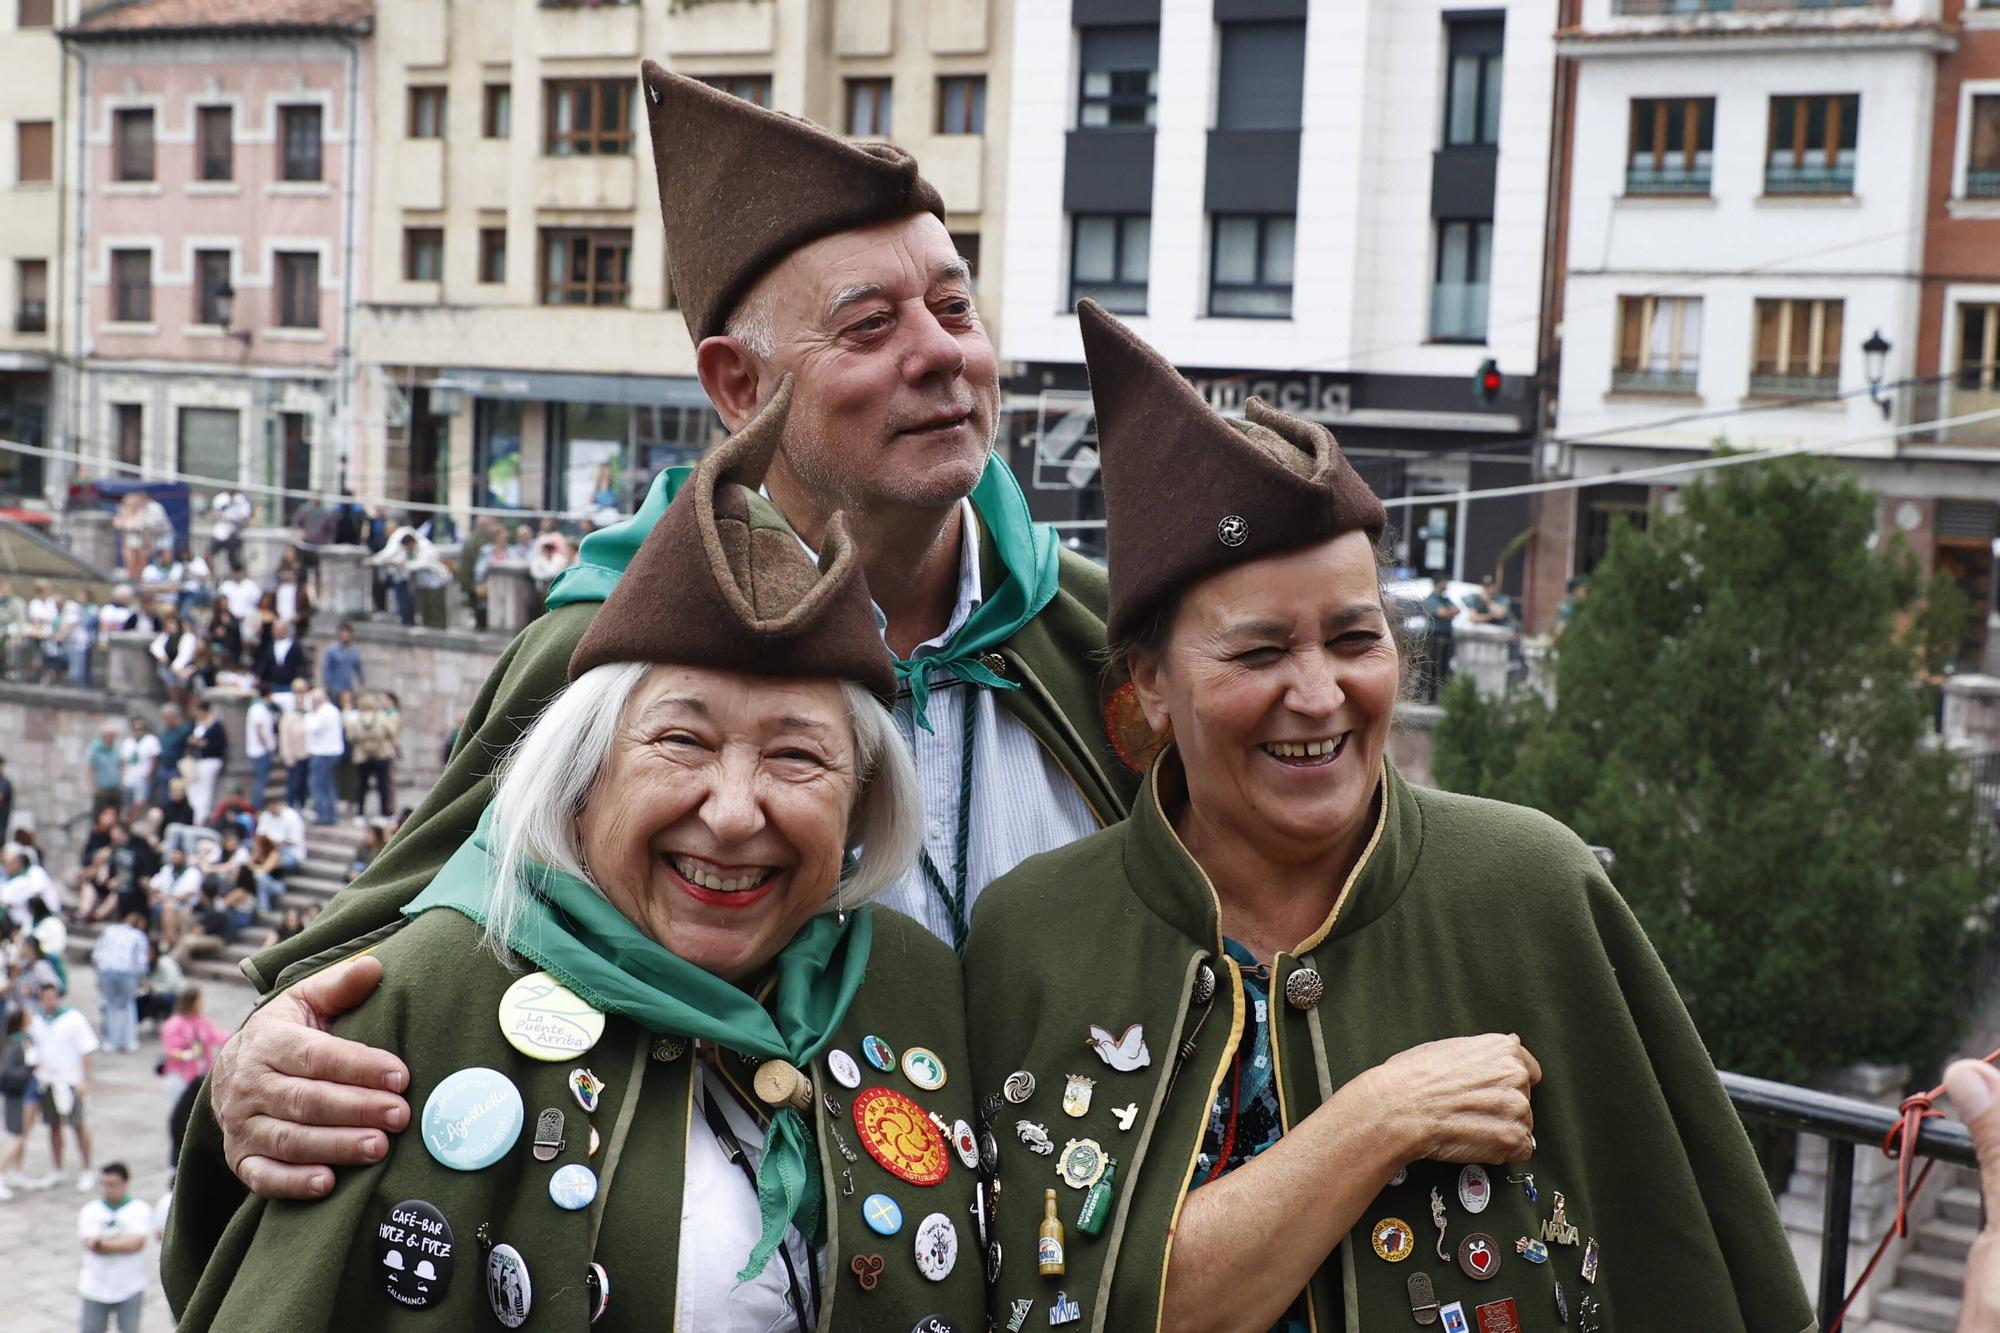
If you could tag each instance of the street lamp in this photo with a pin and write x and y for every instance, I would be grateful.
(1875, 353)
(225, 308)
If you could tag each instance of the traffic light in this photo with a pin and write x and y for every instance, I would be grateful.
(1487, 382)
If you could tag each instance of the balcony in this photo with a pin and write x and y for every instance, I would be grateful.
(1983, 183)
(1768, 385)
(1818, 178)
(1922, 403)
(1684, 181)
(1678, 382)
(32, 317)
(1655, 8)
(1458, 312)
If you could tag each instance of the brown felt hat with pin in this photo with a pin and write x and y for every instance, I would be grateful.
(742, 187)
(1189, 492)
(721, 582)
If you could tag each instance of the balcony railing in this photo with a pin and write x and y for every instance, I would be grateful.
(1919, 404)
(1763, 385)
(1652, 381)
(1656, 7)
(1983, 183)
(1844, 1123)
(32, 317)
(1458, 311)
(1816, 179)
(1667, 180)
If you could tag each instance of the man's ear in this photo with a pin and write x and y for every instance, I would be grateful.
(730, 376)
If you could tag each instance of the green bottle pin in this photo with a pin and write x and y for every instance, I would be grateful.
(1096, 1208)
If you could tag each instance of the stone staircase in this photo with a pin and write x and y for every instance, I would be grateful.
(1930, 1279)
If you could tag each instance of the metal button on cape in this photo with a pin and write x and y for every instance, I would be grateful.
(545, 1020)
(509, 1289)
(883, 1214)
(597, 1291)
(845, 1072)
(1304, 988)
(936, 1247)
(472, 1118)
(413, 1244)
(573, 1186)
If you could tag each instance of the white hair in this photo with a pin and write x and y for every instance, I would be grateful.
(546, 779)
(751, 322)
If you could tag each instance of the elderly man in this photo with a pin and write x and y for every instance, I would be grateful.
(794, 253)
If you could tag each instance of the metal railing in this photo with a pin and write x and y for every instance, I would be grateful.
(1655, 7)
(1983, 183)
(1846, 1124)
(1809, 179)
(1669, 180)
(1653, 381)
(1769, 385)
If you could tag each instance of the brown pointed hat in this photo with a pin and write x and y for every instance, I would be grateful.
(742, 187)
(1189, 492)
(721, 582)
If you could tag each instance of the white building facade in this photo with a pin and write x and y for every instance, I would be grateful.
(1337, 206)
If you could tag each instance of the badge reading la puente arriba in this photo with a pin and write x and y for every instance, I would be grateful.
(544, 1020)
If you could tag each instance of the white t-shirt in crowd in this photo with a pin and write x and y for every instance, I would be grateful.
(112, 1278)
(16, 893)
(135, 757)
(284, 827)
(43, 612)
(260, 730)
(242, 594)
(326, 733)
(288, 602)
(232, 510)
(60, 1045)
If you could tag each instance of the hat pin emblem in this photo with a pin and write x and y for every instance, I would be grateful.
(1233, 530)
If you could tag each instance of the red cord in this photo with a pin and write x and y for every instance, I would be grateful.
(1899, 1145)
(1229, 1133)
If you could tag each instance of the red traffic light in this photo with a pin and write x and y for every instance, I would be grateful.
(1487, 382)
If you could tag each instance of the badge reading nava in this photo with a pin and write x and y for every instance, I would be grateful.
(544, 1020)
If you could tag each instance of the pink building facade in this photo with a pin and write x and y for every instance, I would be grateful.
(222, 186)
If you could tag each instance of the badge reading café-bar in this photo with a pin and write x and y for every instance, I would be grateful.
(544, 1020)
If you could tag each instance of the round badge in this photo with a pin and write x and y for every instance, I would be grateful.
(937, 1247)
(544, 1020)
(1479, 1256)
(1081, 1163)
(845, 1072)
(878, 1053)
(934, 1323)
(923, 1068)
(573, 1186)
(967, 1146)
(1019, 1087)
(1475, 1189)
(597, 1290)
(509, 1289)
(1400, 1176)
(898, 1134)
(1394, 1241)
(472, 1118)
(883, 1214)
(989, 1150)
(414, 1247)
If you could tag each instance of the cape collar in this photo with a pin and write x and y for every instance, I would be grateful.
(1172, 883)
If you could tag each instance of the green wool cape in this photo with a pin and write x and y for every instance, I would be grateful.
(235, 1263)
(1463, 917)
(1053, 658)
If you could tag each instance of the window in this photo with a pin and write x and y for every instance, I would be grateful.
(493, 254)
(1121, 76)
(211, 280)
(1979, 348)
(33, 151)
(496, 117)
(1472, 83)
(1798, 348)
(1250, 270)
(298, 290)
(31, 296)
(588, 117)
(426, 111)
(587, 267)
(1659, 344)
(131, 425)
(132, 133)
(1982, 166)
(967, 245)
(1464, 274)
(36, 14)
(749, 87)
(299, 141)
(1672, 146)
(423, 254)
(209, 443)
(132, 286)
(1110, 257)
(871, 105)
(1812, 145)
(962, 104)
(215, 151)
(1261, 83)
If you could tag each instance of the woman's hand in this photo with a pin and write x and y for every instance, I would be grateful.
(1975, 1095)
(1464, 1099)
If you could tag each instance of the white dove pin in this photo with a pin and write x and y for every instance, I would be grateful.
(1123, 1054)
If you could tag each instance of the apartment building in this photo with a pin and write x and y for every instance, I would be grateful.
(523, 345)
(34, 102)
(219, 186)
(1748, 233)
(1337, 207)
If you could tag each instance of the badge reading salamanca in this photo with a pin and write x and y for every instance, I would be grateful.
(1394, 1241)
(898, 1134)
(414, 1246)
(544, 1020)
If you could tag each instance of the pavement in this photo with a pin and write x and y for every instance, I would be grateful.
(127, 1115)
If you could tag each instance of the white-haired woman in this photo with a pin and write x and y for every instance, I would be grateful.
(638, 1004)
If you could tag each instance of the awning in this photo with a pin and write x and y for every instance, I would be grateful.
(559, 387)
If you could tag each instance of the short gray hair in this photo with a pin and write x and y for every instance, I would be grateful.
(751, 323)
(546, 779)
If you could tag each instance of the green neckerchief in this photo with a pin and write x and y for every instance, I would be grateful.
(587, 944)
(1027, 551)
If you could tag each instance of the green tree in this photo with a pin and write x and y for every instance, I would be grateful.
(1739, 718)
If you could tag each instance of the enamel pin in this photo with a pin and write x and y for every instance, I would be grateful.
(1454, 1318)
(586, 1087)
(1502, 1316)
(867, 1270)
(1393, 1239)
(1532, 1250)
(1076, 1095)
(923, 1069)
(1590, 1261)
(1123, 1054)
(1017, 1315)
(1020, 1086)
(1475, 1189)
(1125, 1115)
(1557, 1230)
(1081, 1164)
(1063, 1310)
(1479, 1256)
(1526, 1181)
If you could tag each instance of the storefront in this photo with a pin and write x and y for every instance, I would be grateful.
(24, 406)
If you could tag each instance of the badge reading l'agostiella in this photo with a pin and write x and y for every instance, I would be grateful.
(472, 1118)
(545, 1020)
